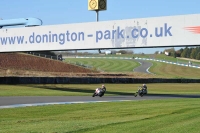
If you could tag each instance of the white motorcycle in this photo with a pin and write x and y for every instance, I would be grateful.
(99, 92)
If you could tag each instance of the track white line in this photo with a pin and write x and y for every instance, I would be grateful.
(59, 103)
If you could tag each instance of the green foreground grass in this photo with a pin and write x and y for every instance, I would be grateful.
(88, 89)
(152, 116)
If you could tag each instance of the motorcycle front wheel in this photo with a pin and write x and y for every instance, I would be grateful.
(135, 94)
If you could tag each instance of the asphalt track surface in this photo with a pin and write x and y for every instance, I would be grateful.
(144, 66)
(25, 101)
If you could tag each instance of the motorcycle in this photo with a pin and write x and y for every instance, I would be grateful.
(99, 92)
(141, 92)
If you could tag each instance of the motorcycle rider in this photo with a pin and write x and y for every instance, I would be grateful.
(103, 88)
(141, 90)
(98, 90)
(144, 88)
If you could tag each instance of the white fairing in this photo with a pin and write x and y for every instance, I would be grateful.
(97, 90)
(144, 32)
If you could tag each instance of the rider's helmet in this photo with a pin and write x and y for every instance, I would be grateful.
(144, 85)
(103, 86)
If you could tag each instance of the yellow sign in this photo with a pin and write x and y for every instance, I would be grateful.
(92, 4)
(97, 5)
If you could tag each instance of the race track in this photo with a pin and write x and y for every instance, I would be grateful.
(24, 101)
(144, 66)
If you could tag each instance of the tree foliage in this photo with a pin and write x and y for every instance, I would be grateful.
(192, 53)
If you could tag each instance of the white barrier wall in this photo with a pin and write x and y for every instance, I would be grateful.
(145, 32)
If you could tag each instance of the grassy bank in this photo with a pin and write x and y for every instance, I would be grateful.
(161, 70)
(107, 65)
(174, 71)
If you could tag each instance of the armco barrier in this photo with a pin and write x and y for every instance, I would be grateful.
(90, 80)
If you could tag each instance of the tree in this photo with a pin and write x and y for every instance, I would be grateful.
(181, 50)
(198, 56)
(189, 52)
(122, 51)
(170, 50)
(178, 53)
(156, 52)
(184, 53)
(193, 53)
(130, 52)
(174, 54)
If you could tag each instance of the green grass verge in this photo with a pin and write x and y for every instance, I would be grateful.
(167, 58)
(107, 65)
(88, 89)
(152, 56)
(172, 59)
(152, 116)
(162, 70)
(174, 71)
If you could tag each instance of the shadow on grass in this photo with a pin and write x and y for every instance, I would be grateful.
(89, 91)
(78, 90)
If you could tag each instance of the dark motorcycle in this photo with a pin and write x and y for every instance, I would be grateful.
(141, 92)
(99, 92)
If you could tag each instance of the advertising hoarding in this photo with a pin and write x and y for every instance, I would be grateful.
(182, 30)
